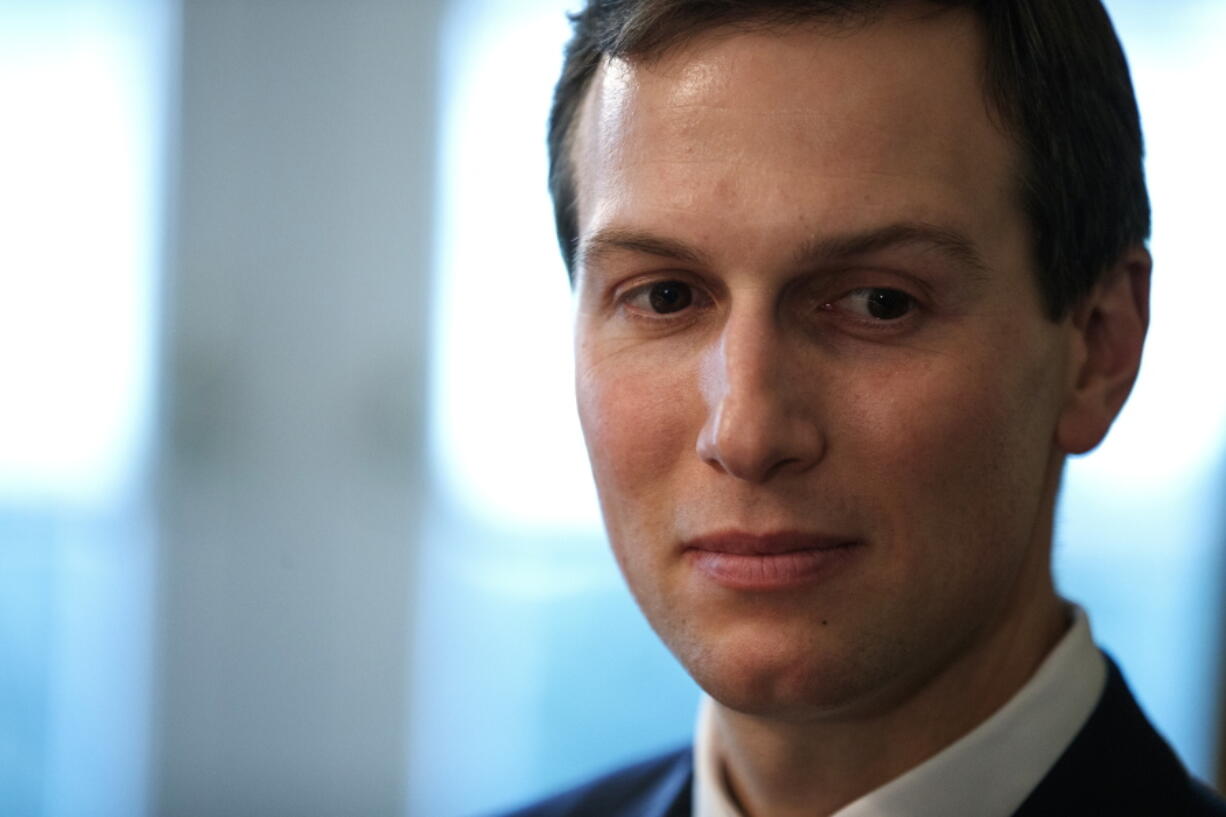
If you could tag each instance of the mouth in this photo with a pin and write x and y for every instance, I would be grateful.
(774, 561)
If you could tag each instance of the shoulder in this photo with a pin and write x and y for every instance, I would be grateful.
(1205, 802)
(656, 787)
(1118, 764)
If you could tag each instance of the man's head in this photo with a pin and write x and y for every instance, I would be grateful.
(826, 402)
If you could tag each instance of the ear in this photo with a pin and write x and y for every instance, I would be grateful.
(1108, 332)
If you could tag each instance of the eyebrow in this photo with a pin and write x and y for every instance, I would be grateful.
(613, 240)
(813, 252)
(944, 240)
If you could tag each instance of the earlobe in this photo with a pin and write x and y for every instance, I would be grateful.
(1109, 329)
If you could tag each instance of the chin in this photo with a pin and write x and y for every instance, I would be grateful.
(798, 692)
(775, 673)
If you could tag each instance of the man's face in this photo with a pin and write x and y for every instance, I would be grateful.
(813, 372)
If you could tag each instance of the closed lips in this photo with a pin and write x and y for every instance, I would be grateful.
(748, 562)
(771, 544)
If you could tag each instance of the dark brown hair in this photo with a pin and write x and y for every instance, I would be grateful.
(1055, 75)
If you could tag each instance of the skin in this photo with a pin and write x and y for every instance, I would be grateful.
(739, 166)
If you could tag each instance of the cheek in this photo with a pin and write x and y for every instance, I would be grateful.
(638, 432)
(959, 445)
(638, 425)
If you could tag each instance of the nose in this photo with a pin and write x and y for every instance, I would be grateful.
(762, 408)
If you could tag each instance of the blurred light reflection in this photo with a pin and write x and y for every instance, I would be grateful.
(82, 87)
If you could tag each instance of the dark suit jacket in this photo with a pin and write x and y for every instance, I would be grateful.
(1117, 766)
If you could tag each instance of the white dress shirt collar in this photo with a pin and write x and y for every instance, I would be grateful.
(989, 771)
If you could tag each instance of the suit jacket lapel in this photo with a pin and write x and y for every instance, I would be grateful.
(1116, 765)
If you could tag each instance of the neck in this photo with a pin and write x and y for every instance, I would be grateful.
(815, 768)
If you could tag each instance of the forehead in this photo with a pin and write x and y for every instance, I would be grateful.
(777, 135)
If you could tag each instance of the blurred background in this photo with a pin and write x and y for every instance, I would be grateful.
(295, 518)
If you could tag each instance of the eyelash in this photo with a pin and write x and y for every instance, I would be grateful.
(646, 314)
(911, 303)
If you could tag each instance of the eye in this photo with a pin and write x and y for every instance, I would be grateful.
(664, 297)
(878, 303)
(662, 303)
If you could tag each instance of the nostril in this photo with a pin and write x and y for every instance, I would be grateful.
(758, 440)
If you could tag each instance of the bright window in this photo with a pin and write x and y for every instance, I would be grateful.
(82, 88)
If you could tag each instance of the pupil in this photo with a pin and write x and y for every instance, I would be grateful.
(671, 296)
(888, 304)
